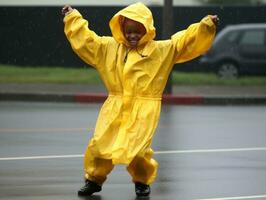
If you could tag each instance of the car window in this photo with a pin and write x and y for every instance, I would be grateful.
(253, 37)
(232, 36)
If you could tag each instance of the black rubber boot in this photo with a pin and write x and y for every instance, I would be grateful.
(89, 188)
(142, 190)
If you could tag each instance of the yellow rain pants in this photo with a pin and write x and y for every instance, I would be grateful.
(142, 168)
(135, 80)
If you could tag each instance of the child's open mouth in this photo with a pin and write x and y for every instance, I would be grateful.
(133, 42)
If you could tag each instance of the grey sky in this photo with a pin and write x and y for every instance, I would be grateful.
(103, 2)
(92, 2)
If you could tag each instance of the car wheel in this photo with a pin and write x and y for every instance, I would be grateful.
(227, 70)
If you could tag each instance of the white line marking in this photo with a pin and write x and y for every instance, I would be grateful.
(30, 130)
(156, 152)
(42, 157)
(211, 150)
(236, 198)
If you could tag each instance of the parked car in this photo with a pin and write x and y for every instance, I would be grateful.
(238, 49)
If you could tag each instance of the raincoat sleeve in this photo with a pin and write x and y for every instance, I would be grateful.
(86, 44)
(193, 41)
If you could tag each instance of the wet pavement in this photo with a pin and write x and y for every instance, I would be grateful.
(204, 152)
(237, 91)
(181, 95)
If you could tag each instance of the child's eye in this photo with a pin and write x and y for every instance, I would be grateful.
(135, 32)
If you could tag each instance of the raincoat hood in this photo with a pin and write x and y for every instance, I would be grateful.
(137, 12)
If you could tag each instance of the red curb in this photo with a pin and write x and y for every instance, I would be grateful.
(166, 99)
(182, 100)
(90, 98)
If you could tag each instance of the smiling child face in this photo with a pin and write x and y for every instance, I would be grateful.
(133, 32)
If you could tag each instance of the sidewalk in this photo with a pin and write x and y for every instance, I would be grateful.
(209, 95)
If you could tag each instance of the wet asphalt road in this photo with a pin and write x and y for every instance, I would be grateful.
(234, 165)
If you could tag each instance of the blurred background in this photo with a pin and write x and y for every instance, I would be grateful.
(203, 151)
(32, 37)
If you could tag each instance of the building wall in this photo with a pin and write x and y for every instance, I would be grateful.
(34, 35)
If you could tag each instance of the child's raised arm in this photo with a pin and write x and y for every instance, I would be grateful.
(85, 43)
(195, 40)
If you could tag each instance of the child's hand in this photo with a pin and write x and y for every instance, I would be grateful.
(66, 10)
(215, 19)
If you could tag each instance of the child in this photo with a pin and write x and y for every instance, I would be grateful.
(134, 69)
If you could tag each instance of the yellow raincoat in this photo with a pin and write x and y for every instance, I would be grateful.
(135, 80)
